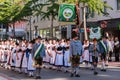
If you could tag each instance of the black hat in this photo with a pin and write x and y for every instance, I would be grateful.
(38, 37)
(74, 34)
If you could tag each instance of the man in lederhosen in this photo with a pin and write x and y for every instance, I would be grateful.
(38, 52)
(76, 51)
(103, 51)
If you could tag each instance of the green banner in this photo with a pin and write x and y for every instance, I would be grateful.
(67, 13)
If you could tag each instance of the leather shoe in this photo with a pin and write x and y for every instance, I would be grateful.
(37, 77)
(95, 73)
(72, 75)
(77, 75)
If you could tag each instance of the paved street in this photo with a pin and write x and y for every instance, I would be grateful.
(113, 73)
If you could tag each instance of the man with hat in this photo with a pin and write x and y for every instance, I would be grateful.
(76, 51)
(104, 52)
(38, 52)
(94, 50)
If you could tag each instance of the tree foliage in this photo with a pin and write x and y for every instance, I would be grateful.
(14, 10)
(94, 5)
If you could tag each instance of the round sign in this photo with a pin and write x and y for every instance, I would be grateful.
(67, 13)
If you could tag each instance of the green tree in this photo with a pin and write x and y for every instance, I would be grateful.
(48, 10)
(13, 11)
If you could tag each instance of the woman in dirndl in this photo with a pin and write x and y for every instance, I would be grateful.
(24, 60)
(30, 67)
(86, 53)
(59, 56)
(52, 54)
(67, 62)
(18, 58)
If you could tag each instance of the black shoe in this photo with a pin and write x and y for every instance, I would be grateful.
(95, 73)
(104, 70)
(72, 75)
(92, 69)
(77, 75)
(37, 77)
(66, 72)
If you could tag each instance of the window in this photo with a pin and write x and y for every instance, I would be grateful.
(118, 4)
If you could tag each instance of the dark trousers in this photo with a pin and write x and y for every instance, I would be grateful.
(37, 72)
(117, 56)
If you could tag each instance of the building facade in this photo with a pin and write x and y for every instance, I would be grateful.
(42, 27)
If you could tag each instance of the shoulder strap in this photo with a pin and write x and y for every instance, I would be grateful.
(105, 48)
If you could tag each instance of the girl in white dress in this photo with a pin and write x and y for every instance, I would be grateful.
(52, 54)
(86, 53)
(24, 60)
(67, 62)
(59, 56)
(13, 58)
(46, 59)
(30, 67)
(18, 58)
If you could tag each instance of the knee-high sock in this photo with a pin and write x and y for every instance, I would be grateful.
(73, 70)
(95, 68)
(77, 70)
(103, 65)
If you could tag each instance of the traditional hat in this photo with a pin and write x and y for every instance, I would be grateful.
(94, 39)
(38, 38)
(74, 34)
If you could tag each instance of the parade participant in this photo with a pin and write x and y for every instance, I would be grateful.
(76, 51)
(13, 56)
(111, 52)
(67, 62)
(24, 59)
(116, 49)
(38, 52)
(94, 50)
(59, 56)
(30, 67)
(18, 57)
(86, 53)
(52, 50)
(46, 59)
(104, 51)
(7, 65)
(110, 49)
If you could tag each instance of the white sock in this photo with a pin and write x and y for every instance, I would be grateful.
(86, 65)
(103, 65)
(77, 71)
(32, 73)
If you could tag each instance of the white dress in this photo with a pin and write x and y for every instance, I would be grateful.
(85, 53)
(18, 59)
(53, 55)
(30, 63)
(59, 57)
(13, 57)
(47, 57)
(24, 61)
(8, 57)
(67, 58)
